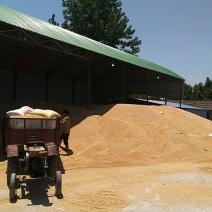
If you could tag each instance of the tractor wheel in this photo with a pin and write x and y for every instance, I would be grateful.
(13, 186)
(52, 164)
(11, 168)
(58, 183)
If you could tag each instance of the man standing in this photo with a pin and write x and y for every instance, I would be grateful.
(65, 122)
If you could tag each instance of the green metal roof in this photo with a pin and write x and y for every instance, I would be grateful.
(18, 19)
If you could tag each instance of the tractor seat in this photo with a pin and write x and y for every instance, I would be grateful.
(36, 148)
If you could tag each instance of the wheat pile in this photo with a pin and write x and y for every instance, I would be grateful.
(130, 158)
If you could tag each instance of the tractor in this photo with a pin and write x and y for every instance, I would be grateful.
(32, 145)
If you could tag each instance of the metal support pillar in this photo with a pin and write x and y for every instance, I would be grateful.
(15, 85)
(166, 92)
(89, 85)
(47, 88)
(147, 97)
(73, 91)
(123, 83)
(94, 93)
(180, 93)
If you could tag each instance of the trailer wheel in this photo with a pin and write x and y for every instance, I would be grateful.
(13, 186)
(11, 168)
(52, 164)
(58, 183)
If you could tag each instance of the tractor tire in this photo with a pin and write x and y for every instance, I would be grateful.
(58, 183)
(52, 164)
(12, 165)
(12, 186)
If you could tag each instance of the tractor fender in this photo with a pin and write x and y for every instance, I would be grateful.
(51, 149)
(12, 151)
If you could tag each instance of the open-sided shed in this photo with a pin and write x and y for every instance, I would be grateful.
(41, 61)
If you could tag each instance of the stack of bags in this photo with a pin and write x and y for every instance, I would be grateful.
(26, 109)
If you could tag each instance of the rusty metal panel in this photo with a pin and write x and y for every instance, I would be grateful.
(12, 151)
(52, 149)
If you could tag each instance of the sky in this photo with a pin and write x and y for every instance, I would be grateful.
(176, 34)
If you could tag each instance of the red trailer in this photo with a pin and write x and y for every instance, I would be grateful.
(32, 144)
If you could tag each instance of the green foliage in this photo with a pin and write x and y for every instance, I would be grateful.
(199, 91)
(52, 21)
(101, 20)
(187, 91)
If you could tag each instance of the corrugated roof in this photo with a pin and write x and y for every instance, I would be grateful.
(32, 24)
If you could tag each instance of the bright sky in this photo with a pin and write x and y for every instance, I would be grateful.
(176, 34)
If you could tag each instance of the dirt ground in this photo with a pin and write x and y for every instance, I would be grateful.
(124, 158)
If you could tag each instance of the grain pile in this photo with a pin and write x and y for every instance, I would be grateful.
(141, 135)
(127, 158)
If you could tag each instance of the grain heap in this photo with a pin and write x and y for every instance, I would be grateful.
(126, 158)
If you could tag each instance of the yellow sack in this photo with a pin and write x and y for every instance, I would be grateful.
(45, 113)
